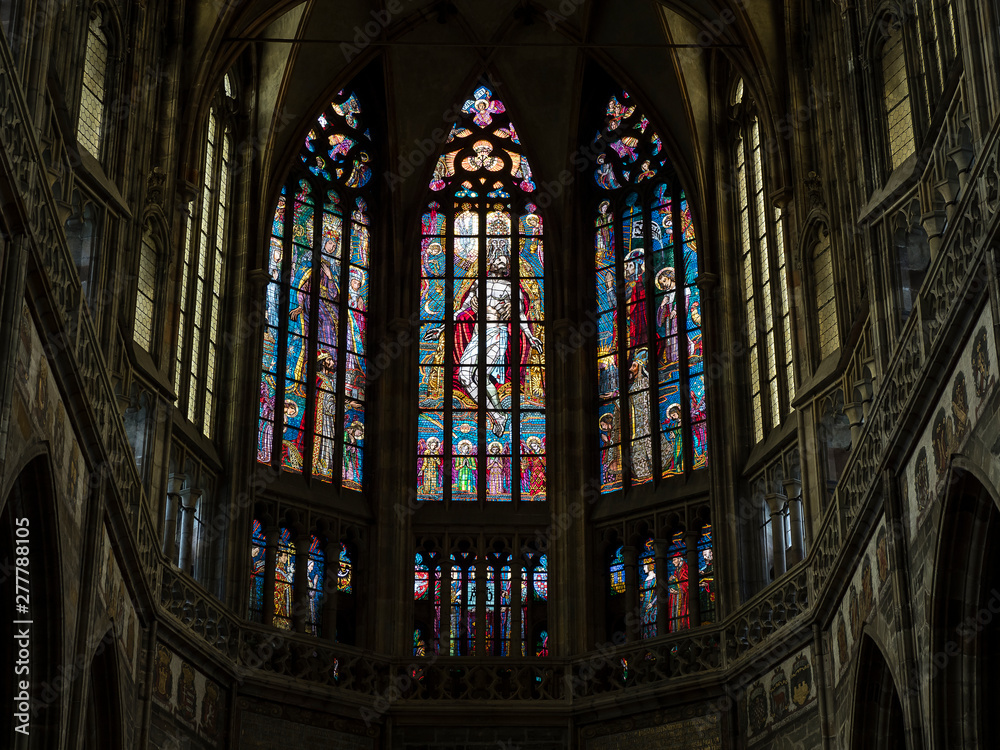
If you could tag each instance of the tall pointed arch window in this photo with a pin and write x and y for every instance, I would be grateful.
(203, 272)
(481, 431)
(90, 121)
(651, 382)
(763, 274)
(901, 140)
(314, 365)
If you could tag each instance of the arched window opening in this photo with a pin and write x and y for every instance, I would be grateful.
(764, 279)
(90, 120)
(145, 294)
(313, 386)
(671, 584)
(203, 276)
(825, 297)
(495, 604)
(652, 416)
(258, 552)
(481, 430)
(896, 94)
(284, 581)
(316, 576)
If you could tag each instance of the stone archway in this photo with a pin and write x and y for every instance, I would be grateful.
(964, 658)
(878, 713)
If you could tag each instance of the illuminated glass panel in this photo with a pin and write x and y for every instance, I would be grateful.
(344, 579)
(258, 553)
(650, 373)
(617, 571)
(706, 575)
(316, 574)
(896, 94)
(284, 581)
(481, 426)
(90, 124)
(145, 294)
(677, 584)
(314, 371)
(647, 590)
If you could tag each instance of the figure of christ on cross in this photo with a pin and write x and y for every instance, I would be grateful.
(498, 331)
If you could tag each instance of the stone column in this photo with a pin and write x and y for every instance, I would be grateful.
(331, 580)
(480, 569)
(694, 582)
(661, 547)
(272, 534)
(793, 491)
(189, 504)
(775, 504)
(175, 485)
(300, 594)
(855, 414)
(445, 604)
(515, 609)
(632, 633)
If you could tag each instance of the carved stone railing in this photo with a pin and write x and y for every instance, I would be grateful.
(200, 612)
(943, 294)
(768, 613)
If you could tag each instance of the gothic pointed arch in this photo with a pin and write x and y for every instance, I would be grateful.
(650, 375)
(313, 385)
(481, 424)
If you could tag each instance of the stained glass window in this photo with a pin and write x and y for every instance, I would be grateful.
(258, 552)
(763, 277)
(419, 644)
(541, 579)
(314, 364)
(284, 581)
(618, 572)
(203, 279)
(481, 587)
(706, 575)
(647, 589)
(677, 584)
(316, 573)
(650, 374)
(344, 584)
(90, 123)
(542, 646)
(481, 430)
(896, 94)
(145, 294)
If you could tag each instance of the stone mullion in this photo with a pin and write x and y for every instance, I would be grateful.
(271, 534)
(516, 571)
(343, 312)
(691, 539)
(447, 426)
(328, 625)
(281, 343)
(621, 318)
(629, 557)
(482, 281)
(445, 599)
(516, 384)
(310, 343)
(478, 582)
(661, 548)
(171, 510)
(300, 578)
(652, 342)
(681, 337)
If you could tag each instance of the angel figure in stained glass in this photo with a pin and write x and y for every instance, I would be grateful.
(498, 470)
(465, 465)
